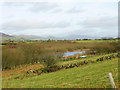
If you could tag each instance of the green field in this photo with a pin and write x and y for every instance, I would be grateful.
(59, 72)
(116, 40)
(93, 75)
(93, 58)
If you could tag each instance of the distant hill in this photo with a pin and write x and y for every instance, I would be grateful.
(74, 37)
(4, 37)
(34, 37)
(30, 37)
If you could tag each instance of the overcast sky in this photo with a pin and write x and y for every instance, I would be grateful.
(60, 18)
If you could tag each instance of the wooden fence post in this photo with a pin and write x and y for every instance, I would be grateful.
(111, 80)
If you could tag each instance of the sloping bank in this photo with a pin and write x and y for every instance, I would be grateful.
(64, 66)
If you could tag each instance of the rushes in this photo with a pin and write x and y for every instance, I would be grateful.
(30, 53)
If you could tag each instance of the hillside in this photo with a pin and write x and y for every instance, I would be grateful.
(30, 37)
(34, 37)
(4, 37)
(94, 75)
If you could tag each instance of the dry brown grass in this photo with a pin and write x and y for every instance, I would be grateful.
(26, 53)
(21, 69)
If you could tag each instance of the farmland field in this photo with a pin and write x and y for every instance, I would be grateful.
(60, 44)
(94, 75)
(35, 65)
(95, 40)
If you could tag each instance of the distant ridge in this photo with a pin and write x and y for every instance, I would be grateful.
(4, 37)
(30, 37)
(34, 37)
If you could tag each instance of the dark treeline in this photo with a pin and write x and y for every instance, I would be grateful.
(30, 53)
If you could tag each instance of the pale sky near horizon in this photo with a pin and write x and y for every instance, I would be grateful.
(60, 19)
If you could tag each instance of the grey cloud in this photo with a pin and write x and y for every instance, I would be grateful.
(104, 27)
(105, 22)
(93, 32)
(43, 6)
(33, 24)
(14, 4)
(57, 10)
(74, 10)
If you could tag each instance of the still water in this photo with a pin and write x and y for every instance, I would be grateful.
(72, 53)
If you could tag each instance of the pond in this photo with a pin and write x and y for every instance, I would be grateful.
(71, 53)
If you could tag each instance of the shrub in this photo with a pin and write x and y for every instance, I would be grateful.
(50, 60)
(12, 57)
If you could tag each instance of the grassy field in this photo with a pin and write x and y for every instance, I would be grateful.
(94, 75)
(116, 40)
(41, 56)
(2, 45)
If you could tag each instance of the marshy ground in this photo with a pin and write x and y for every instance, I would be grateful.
(85, 73)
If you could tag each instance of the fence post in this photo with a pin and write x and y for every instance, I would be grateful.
(111, 80)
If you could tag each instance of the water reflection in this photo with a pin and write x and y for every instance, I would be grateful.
(71, 53)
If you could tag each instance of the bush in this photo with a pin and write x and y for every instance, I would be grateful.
(50, 60)
(12, 57)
